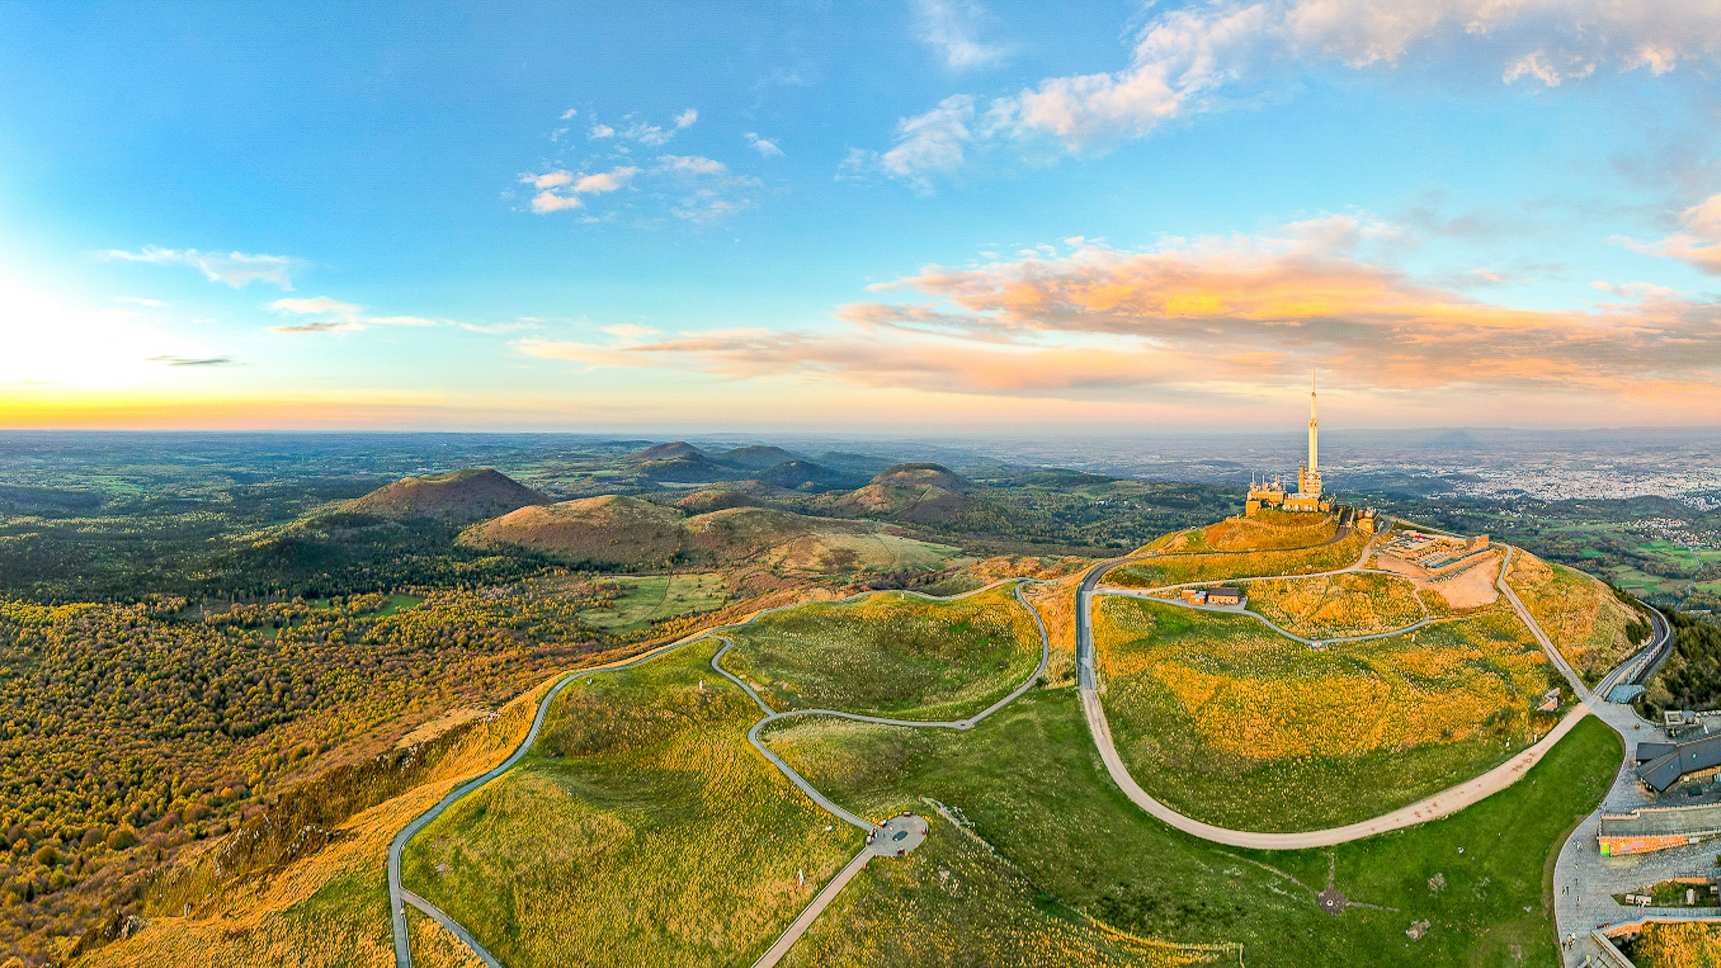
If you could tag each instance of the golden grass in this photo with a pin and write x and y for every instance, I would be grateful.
(1056, 603)
(434, 946)
(1333, 606)
(1684, 945)
(1579, 613)
(1268, 531)
(1201, 565)
(1206, 706)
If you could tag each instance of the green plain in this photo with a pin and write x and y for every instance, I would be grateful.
(1029, 784)
(651, 598)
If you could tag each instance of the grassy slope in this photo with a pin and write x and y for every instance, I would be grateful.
(330, 909)
(891, 654)
(1178, 568)
(1336, 605)
(1580, 614)
(642, 829)
(955, 904)
(1030, 785)
(1268, 530)
(1228, 722)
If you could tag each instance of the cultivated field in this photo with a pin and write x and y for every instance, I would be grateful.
(1196, 566)
(1027, 784)
(1333, 606)
(1580, 614)
(642, 829)
(1231, 723)
(891, 654)
(640, 601)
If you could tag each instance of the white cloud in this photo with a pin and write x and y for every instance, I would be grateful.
(930, 143)
(601, 131)
(763, 146)
(548, 179)
(691, 164)
(1183, 59)
(607, 181)
(550, 200)
(138, 300)
(569, 113)
(952, 28)
(1536, 64)
(686, 118)
(545, 202)
(647, 134)
(236, 269)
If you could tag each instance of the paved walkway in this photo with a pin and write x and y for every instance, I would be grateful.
(399, 897)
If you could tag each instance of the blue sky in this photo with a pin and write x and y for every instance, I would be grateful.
(888, 216)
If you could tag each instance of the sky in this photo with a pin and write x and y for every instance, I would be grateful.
(905, 217)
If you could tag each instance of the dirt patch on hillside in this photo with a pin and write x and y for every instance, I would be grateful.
(1473, 587)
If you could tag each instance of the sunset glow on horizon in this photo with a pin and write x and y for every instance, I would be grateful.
(939, 215)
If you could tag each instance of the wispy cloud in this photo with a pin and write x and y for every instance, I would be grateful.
(952, 28)
(341, 316)
(1183, 61)
(1697, 244)
(320, 326)
(139, 301)
(1204, 313)
(315, 304)
(236, 269)
(192, 361)
(763, 146)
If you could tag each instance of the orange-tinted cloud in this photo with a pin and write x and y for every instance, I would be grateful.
(1206, 315)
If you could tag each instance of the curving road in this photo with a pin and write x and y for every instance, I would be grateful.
(1444, 803)
(399, 896)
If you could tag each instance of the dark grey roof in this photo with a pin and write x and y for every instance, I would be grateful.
(1651, 751)
(1699, 754)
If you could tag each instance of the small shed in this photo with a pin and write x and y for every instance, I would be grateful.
(1225, 596)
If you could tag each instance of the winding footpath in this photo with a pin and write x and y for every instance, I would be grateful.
(1569, 911)
(1444, 803)
(400, 897)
